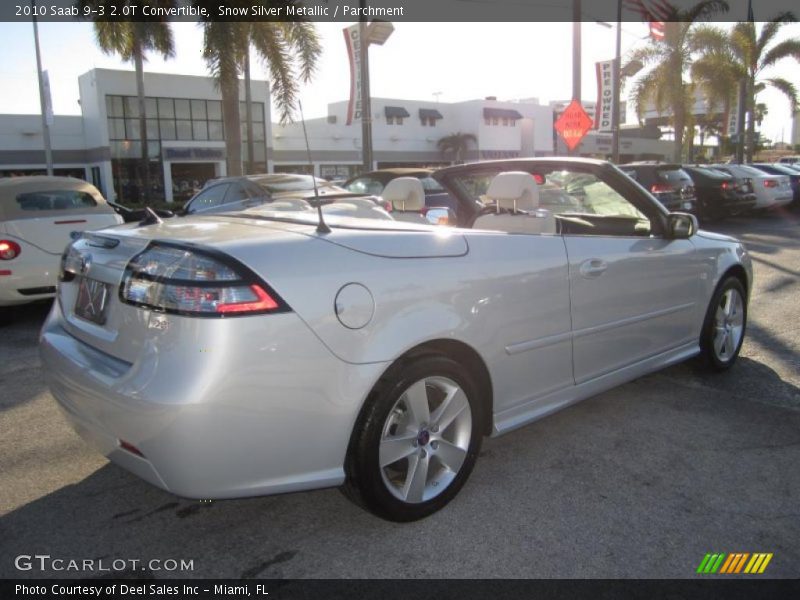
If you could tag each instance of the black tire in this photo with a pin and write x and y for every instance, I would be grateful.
(366, 484)
(709, 354)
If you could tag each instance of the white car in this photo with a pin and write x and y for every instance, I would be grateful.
(253, 353)
(772, 191)
(37, 216)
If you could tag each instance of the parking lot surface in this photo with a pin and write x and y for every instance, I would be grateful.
(641, 481)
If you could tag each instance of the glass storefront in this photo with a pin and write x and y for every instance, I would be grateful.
(169, 119)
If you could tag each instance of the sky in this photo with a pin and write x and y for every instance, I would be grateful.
(447, 62)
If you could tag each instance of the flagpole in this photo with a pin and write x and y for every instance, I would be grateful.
(48, 151)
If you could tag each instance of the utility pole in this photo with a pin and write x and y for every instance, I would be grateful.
(576, 55)
(48, 151)
(617, 87)
(366, 108)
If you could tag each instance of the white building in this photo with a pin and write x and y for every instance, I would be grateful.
(187, 147)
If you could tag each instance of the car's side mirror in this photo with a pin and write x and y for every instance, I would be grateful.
(440, 216)
(681, 226)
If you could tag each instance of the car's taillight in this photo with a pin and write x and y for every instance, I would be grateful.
(387, 205)
(725, 186)
(9, 250)
(195, 282)
(770, 183)
(661, 188)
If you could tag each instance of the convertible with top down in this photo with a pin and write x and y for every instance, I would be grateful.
(260, 352)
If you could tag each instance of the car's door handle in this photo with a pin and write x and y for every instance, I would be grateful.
(594, 267)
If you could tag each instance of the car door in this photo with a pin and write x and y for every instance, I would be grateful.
(633, 292)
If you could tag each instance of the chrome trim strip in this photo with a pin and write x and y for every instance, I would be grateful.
(512, 349)
(549, 340)
(631, 320)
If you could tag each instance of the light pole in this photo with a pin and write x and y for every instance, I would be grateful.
(617, 85)
(48, 152)
(376, 32)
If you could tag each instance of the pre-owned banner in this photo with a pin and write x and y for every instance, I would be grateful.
(604, 110)
(732, 121)
(353, 41)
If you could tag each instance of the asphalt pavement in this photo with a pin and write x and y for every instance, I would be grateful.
(641, 481)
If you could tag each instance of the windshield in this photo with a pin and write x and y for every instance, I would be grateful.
(289, 183)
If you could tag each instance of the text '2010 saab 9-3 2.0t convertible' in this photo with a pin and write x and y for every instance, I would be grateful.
(261, 352)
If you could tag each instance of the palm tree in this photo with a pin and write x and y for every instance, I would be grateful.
(456, 144)
(132, 41)
(745, 54)
(668, 60)
(285, 48)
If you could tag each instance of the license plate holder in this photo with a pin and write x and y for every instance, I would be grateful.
(92, 300)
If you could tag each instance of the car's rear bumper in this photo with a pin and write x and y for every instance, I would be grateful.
(32, 276)
(215, 427)
(738, 203)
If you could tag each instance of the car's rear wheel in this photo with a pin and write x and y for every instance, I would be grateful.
(416, 441)
(725, 324)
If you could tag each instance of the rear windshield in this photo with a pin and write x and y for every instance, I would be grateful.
(672, 175)
(55, 200)
(748, 171)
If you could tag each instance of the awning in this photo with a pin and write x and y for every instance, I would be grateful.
(429, 113)
(501, 113)
(395, 111)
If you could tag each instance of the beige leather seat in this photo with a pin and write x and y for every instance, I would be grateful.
(516, 191)
(407, 197)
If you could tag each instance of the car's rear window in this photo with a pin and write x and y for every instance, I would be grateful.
(672, 175)
(55, 200)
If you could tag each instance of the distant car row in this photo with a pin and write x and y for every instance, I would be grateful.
(39, 214)
(717, 191)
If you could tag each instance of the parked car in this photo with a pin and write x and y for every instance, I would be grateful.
(772, 191)
(719, 194)
(226, 194)
(37, 216)
(792, 174)
(245, 354)
(789, 160)
(668, 182)
(373, 183)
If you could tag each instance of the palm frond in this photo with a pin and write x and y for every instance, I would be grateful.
(788, 89)
(785, 49)
(771, 29)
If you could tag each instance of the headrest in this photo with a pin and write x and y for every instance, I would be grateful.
(405, 193)
(515, 190)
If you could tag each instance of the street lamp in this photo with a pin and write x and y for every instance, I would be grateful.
(376, 32)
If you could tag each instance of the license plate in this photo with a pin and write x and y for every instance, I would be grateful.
(687, 206)
(92, 300)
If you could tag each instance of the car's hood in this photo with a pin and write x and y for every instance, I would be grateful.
(719, 237)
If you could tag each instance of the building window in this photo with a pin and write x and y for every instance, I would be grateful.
(390, 120)
(505, 122)
(495, 121)
(487, 121)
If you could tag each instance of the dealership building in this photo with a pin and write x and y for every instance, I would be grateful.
(186, 138)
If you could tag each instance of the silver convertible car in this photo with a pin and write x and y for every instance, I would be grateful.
(255, 353)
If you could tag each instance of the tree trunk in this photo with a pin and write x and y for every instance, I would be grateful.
(680, 122)
(145, 158)
(229, 86)
(248, 98)
(751, 121)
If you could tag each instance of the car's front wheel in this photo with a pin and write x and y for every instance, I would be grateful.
(724, 327)
(416, 441)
